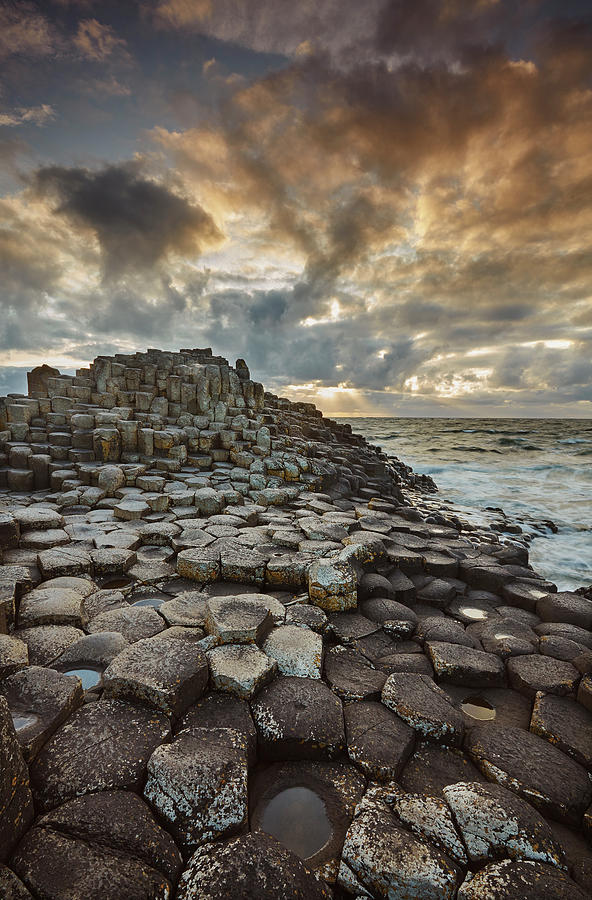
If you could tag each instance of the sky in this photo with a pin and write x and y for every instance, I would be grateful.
(384, 207)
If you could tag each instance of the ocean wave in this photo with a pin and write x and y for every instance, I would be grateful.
(575, 441)
(477, 449)
(469, 431)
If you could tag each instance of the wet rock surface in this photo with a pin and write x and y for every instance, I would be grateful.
(102, 845)
(221, 612)
(233, 868)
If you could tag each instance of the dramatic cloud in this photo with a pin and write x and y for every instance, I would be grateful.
(24, 31)
(289, 28)
(35, 115)
(96, 41)
(390, 213)
(136, 221)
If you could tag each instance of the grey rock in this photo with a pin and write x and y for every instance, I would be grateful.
(297, 650)
(167, 672)
(198, 784)
(133, 622)
(528, 880)
(494, 822)
(240, 669)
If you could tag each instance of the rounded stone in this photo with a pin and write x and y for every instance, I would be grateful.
(110, 479)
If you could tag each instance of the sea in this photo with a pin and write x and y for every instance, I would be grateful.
(538, 471)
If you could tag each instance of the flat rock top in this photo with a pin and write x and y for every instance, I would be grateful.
(533, 767)
(103, 745)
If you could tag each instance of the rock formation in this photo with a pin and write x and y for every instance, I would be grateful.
(245, 653)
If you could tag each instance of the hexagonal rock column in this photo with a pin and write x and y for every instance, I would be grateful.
(16, 803)
(298, 650)
(218, 710)
(462, 665)
(199, 564)
(168, 672)
(107, 444)
(104, 745)
(106, 844)
(237, 620)
(428, 817)
(533, 769)
(110, 479)
(50, 606)
(351, 675)
(40, 700)
(199, 784)
(494, 822)
(425, 707)
(564, 723)
(378, 741)
(240, 669)
(14, 655)
(299, 718)
(382, 859)
(508, 880)
(232, 868)
(332, 585)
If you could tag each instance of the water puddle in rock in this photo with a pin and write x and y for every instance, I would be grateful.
(298, 819)
(473, 612)
(89, 677)
(23, 720)
(155, 601)
(478, 708)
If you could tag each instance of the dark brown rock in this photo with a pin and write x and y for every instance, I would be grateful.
(529, 674)
(16, 803)
(103, 746)
(254, 865)
(463, 665)
(220, 710)
(566, 724)
(299, 718)
(378, 741)
(567, 607)
(351, 675)
(41, 699)
(425, 707)
(432, 768)
(11, 887)
(532, 768)
(168, 672)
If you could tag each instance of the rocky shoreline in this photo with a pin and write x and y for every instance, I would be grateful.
(224, 617)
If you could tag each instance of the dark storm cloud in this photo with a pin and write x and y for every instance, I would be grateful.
(137, 222)
(406, 195)
(439, 29)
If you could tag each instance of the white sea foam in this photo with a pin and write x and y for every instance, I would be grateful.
(536, 470)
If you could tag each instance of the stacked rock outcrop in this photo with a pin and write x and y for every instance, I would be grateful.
(221, 612)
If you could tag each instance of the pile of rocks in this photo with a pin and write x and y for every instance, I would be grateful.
(214, 604)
